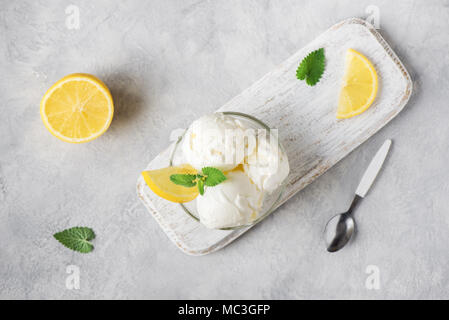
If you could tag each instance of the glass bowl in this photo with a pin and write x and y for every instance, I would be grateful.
(271, 200)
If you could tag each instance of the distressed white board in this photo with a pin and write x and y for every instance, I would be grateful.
(305, 116)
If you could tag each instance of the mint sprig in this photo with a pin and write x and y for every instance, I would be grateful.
(210, 177)
(76, 239)
(213, 176)
(311, 67)
(186, 180)
(201, 186)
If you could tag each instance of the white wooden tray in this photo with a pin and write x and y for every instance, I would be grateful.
(305, 116)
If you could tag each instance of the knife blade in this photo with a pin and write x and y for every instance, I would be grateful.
(373, 169)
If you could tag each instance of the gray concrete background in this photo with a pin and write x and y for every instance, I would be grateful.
(167, 63)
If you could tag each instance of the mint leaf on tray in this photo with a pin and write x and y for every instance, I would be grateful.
(311, 67)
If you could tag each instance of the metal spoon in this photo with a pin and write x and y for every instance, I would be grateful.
(340, 228)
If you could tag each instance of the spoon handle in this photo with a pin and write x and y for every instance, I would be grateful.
(373, 169)
(354, 204)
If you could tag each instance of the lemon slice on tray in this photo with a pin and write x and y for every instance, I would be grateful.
(159, 182)
(359, 87)
(78, 108)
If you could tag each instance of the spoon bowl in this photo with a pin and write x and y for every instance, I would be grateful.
(339, 231)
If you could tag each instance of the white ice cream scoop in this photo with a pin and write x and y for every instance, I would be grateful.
(237, 201)
(218, 141)
(268, 165)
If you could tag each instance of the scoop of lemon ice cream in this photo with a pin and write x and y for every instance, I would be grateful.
(268, 165)
(236, 201)
(216, 140)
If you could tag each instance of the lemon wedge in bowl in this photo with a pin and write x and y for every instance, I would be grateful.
(159, 182)
(359, 87)
(78, 108)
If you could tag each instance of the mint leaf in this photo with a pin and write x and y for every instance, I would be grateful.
(210, 177)
(201, 186)
(213, 176)
(186, 180)
(311, 67)
(76, 238)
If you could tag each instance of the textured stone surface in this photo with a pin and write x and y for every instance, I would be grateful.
(167, 63)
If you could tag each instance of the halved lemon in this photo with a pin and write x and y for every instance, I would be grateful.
(359, 87)
(159, 182)
(78, 108)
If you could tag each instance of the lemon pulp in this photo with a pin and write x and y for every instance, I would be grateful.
(359, 87)
(78, 108)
